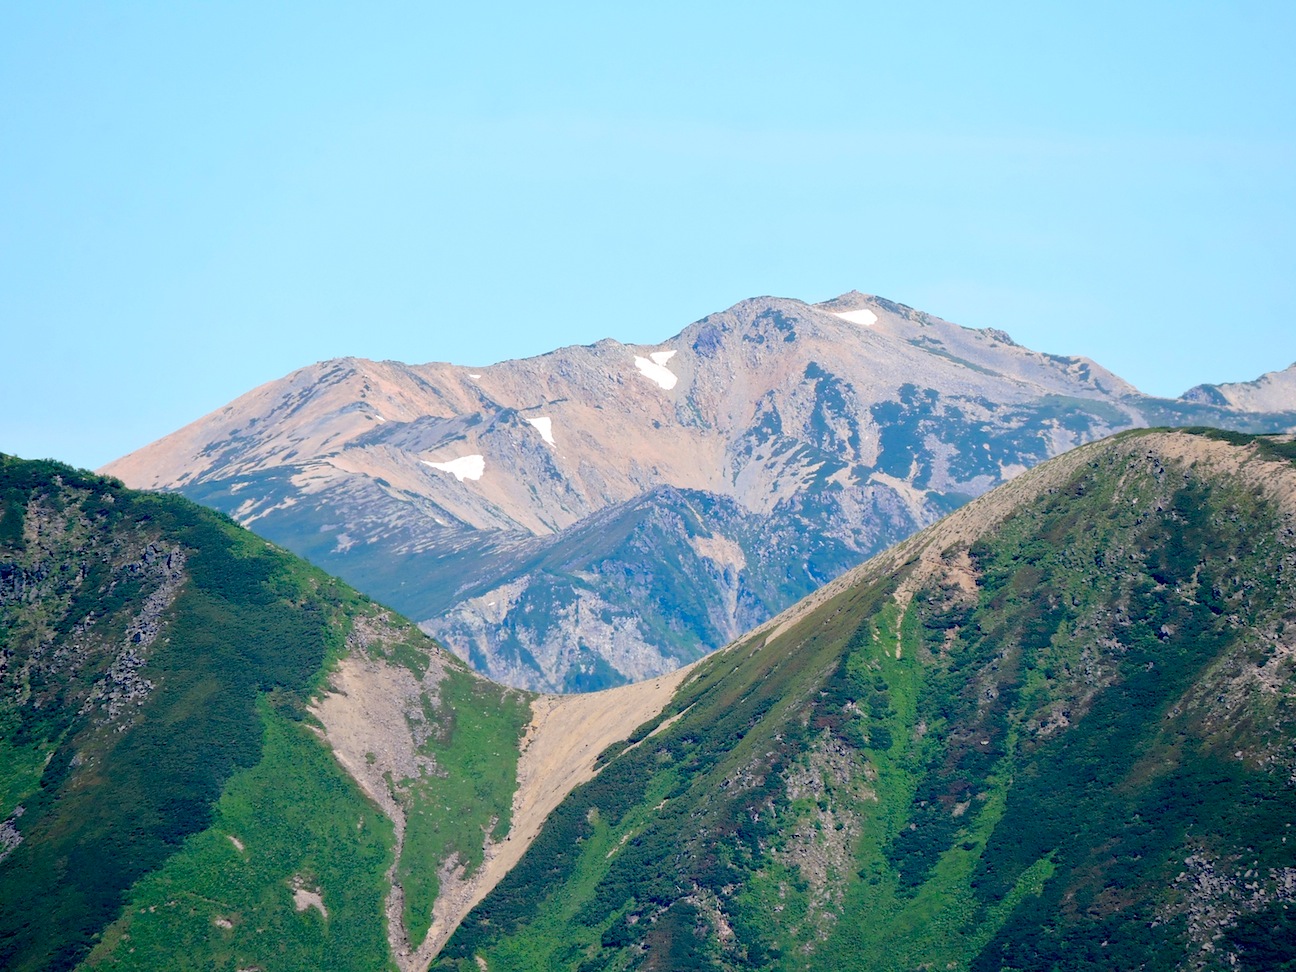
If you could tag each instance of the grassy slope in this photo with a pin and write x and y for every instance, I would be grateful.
(216, 906)
(118, 797)
(133, 810)
(471, 797)
(1010, 776)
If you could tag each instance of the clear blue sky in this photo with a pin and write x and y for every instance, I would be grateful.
(197, 198)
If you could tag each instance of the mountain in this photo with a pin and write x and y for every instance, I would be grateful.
(212, 755)
(608, 513)
(1272, 392)
(1056, 730)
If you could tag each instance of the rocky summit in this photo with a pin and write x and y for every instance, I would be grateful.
(608, 513)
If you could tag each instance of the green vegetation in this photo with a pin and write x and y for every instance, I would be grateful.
(479, 726)
(595, 873)
(300, 825)
(20, 772)
(1014, 770)
(1271, 446)
(111, 806)
(1065, 743)
(159, 663)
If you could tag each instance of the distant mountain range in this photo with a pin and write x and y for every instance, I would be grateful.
(1055, 730)
(608, 513)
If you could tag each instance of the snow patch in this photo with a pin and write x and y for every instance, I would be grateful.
(465, 467)
(474, 377)
(863, 317)
(656, 369)
(544, 426)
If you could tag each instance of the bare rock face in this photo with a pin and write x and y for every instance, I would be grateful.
(607, 513)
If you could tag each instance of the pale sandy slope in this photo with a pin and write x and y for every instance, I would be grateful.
(366, 718)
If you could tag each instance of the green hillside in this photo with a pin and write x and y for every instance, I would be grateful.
(167, 795)
(1054, 731)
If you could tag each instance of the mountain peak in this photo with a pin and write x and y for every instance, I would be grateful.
(777, 443)
(851, 300)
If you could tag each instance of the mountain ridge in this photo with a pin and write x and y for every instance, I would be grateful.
(1052, 730)
(967, 753)
(1274, 388)
(835, 429)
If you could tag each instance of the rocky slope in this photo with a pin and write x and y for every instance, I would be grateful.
(1056, 730)
(608, 513)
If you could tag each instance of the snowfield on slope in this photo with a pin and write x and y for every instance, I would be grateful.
(544, 426)
(656, 368)
(465, 467)
(864, 316)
